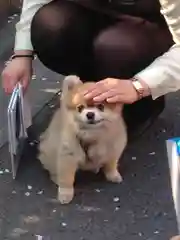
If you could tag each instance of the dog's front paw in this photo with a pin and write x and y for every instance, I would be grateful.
(114, 176)
(65, 195)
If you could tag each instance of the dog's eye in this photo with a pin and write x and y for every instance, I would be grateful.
(100, 107)
(80, 108)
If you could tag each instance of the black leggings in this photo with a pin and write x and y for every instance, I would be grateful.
(71, 39)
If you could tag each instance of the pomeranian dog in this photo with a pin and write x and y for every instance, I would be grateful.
(82, 135)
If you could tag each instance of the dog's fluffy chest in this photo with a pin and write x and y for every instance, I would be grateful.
(101, 146)
(96, 154)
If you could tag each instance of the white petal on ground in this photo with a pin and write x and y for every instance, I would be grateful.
(98, 190)
(63, 224)
(29, 187)
(40, 192)
(27, 194)
(152, 153)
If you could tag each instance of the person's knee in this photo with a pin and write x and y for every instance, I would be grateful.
(125, 48)
(117, 44)
(47, 18)
(52, 31)
(50, 19)
(113, 53)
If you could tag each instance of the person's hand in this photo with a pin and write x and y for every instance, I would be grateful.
(18, 70)
(112, 90)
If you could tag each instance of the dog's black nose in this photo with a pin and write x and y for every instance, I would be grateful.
(90, 115)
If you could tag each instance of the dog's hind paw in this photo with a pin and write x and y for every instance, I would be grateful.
(65, 195)
(114, 177)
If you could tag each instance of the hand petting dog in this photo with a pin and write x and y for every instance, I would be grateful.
(112, 90)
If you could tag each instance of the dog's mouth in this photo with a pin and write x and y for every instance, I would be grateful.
(91, 124)
(94, 122)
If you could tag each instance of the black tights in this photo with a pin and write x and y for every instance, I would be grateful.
(71, 39)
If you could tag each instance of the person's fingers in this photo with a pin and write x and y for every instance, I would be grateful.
(110, 82)
(101, 83)
(115, 99)
(4, 83)
(121, 98)
(95, 92)
(89, 89)
(95, 87)
(10, 88)
(25, 82)
(8, 83)
(103, 96)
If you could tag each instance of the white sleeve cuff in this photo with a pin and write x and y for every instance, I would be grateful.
(163, 75)
(23, 27)
(23, 40)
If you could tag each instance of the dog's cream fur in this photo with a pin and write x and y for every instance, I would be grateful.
(62, 150)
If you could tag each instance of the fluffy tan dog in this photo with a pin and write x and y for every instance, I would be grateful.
(82, 135)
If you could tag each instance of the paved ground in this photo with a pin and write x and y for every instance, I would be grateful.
(140, 208)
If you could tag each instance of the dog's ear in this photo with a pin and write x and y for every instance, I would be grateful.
(71, 81)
